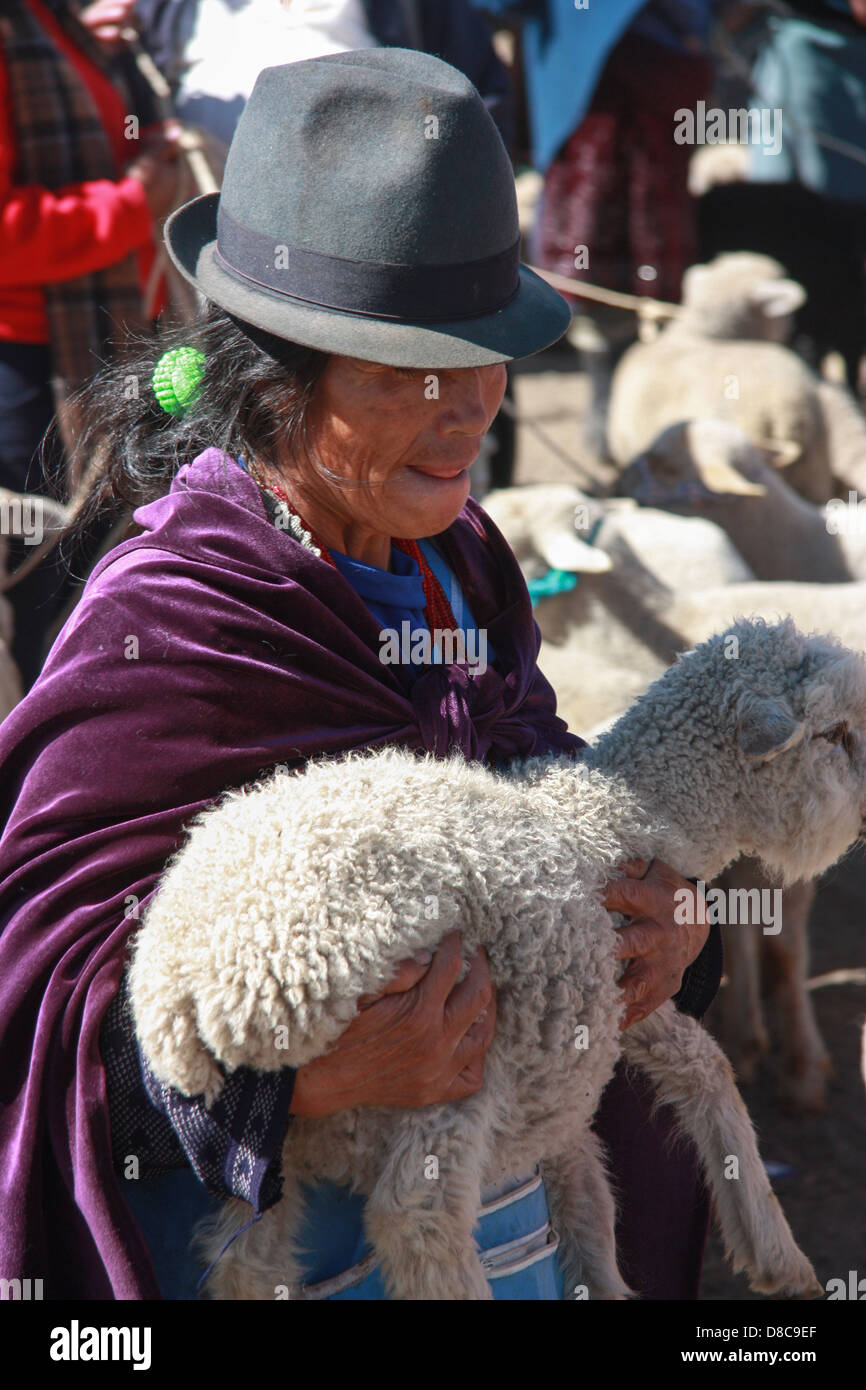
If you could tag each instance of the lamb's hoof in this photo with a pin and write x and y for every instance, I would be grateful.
(794, 1279)
(612, 1295)
(805, 1292)
(612, 1289)
(804, 1092)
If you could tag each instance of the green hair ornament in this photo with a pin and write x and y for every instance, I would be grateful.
(177, 379)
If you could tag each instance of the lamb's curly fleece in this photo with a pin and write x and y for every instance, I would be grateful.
(292, 900)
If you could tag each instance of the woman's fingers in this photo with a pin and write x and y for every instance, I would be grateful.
(635, 895)
(408, 974)
(635, 987)
(644, 936)
(646, 985)
(635, 868)
(467, 1081)
(444, 969)
(468, 1000)
(659, 940)
(665, 897)
(470, 1054)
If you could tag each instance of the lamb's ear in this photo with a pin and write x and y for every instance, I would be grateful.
(564, 550)
(766, 727)
(776, 298)
(717, 475)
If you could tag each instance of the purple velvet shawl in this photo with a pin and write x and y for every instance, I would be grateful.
(201, 653)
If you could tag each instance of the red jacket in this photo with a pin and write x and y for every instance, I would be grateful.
(49, 235)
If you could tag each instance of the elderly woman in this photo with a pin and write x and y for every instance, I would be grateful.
(301, 466)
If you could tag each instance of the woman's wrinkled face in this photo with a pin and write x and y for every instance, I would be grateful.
(399, 443)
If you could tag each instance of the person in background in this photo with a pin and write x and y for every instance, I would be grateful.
(189, 40)
(602, 86)
(619, 186)
(78, 205)
(802, 198)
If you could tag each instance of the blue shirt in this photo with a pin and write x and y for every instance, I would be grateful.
(397, 596)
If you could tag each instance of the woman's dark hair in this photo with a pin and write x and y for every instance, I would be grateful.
(255, 392)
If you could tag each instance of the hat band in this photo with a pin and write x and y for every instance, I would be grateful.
(414, 293)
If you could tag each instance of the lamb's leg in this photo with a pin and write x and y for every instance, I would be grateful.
(421, 1213)
(739, 1011)
(583, 1214)
(261, 1262)
(691, 1073)
(805, 1060)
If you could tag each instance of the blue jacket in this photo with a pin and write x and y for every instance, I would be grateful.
(565, 48)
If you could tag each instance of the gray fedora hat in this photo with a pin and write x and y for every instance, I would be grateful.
(368, 209)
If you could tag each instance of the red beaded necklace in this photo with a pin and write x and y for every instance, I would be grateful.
(437, 610)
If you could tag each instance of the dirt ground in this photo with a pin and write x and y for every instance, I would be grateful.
(821, 1174)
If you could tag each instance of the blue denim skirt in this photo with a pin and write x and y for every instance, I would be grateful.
(515, 1240)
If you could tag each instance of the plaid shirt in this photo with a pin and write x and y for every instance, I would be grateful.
(60, 141)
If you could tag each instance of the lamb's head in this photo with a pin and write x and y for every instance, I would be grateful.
(740, 294)
(752, 743)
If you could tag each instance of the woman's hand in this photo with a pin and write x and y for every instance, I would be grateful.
(107, 21)
(659, 947)
(420, 1042)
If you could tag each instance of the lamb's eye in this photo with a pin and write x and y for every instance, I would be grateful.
(840, 733)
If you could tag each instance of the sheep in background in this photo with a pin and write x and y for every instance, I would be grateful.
(739, 295)
(291, 901)
(624, 603)
(547, 526)
(818, 242)
(711, 468)
(845, 439)
(714, 362)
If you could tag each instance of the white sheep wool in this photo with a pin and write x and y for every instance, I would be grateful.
(290, 901)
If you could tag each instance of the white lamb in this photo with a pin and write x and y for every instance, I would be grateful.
(291, 901)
